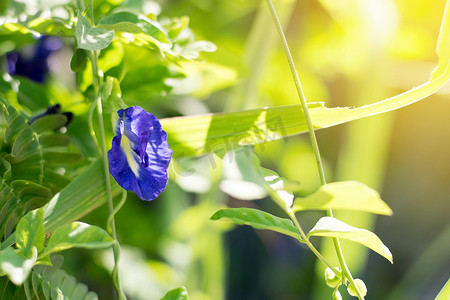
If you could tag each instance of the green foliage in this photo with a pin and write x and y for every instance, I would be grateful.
(176, 294)
(257, 219)
(349, 195)
(77, 235)
(53, 283)
(29, 178)
(16, 266)
(30, 233)
(445, 292)
(124, 54)
(331, 227)
(92, 38)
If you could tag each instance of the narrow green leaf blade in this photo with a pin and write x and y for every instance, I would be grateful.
(257, 219)
(85, 193)
(176, 294)
(348, 195)
(92, 38)
(79, 235)
(443, 46)
(444, 294)
(30, 232)
(220, 133)
(331, 227)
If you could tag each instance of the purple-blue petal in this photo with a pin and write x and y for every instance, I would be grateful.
(148, 147)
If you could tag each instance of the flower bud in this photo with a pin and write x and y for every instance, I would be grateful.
(331, 279)
(337, 295)
(361, 287)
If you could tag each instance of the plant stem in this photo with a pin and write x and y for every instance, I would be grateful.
(309, 244)
(97, 82)
(313, 139)
(111, 224)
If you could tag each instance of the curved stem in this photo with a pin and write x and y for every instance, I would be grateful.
(305, 240)
(313, 139)
(111, 225)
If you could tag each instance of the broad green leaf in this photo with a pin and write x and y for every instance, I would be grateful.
(16, 266)
(222, 132)
(141, 83)
(331, 227)
(79, 60)
(30, 232)
(130, 22)
(257, 219)
(444, 294)
(92, 38)
(85, 193)
(47, 123)
(15, 35)
(77, 235)
(176, 294)
(33, 95)
(348, 195)
(280, 189)
(51, 26)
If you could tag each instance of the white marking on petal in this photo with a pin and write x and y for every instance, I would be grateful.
(132, 157)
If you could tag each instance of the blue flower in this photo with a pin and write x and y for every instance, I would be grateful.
(32, 62)
(140, 154)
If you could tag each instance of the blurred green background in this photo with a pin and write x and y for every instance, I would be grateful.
(348, 53)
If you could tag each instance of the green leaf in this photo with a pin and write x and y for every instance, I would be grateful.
(77, 235)
(444, 294)
(30, 232)
(176, 294)
(220, 133)
(16, 266)
(348, 195)
(33, 95)
(51, 26)
(257, 219)
(25, 145)
(57, 284)
(443, 47)
(54, 140)
(79, 60)
(92, 38)
(141, 83)
(130, 22)
(48, 123)
(331, 227)
(52, 157)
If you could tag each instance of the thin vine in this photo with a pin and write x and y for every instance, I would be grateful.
(315, 147)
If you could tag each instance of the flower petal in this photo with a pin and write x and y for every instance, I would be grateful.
(140, 154)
